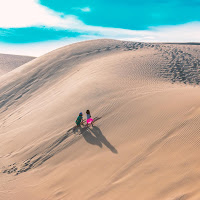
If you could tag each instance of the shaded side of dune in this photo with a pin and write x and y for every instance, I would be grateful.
(10, 62)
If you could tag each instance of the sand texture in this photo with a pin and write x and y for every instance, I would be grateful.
(10, 62)
(145, 142)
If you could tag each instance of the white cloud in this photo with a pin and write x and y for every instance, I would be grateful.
(85, 9)
(27, 13)
(189, 32)
(36, 49)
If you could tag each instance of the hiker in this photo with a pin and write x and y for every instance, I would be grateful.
(79, 119)
(89, 119)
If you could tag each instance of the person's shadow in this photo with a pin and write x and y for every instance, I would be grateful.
(94, 136)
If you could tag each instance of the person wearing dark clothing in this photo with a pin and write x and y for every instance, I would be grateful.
(79, 119)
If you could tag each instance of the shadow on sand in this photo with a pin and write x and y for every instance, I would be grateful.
(49, 149)
(94, 136)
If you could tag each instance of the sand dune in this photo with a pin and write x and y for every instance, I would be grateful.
(10, 62)
(145, 141)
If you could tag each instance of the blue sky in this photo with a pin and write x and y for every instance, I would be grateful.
(34, 27)
(129, 14)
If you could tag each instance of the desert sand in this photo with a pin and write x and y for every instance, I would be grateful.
(145, 142)
(10, 62)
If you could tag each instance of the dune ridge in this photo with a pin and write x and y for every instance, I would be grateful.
(10, 62)
(145, 99)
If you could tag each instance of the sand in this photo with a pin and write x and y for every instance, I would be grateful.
(10, 62)
(145, 142)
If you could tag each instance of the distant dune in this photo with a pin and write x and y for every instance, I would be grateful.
(145, 143)
(10, 62)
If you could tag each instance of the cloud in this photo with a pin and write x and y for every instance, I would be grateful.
(29, 13)
(36, 49)
(183, 33)
(85, 9)
(189, 32)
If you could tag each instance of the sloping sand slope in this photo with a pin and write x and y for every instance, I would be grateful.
(10, 62)
(145, 143)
